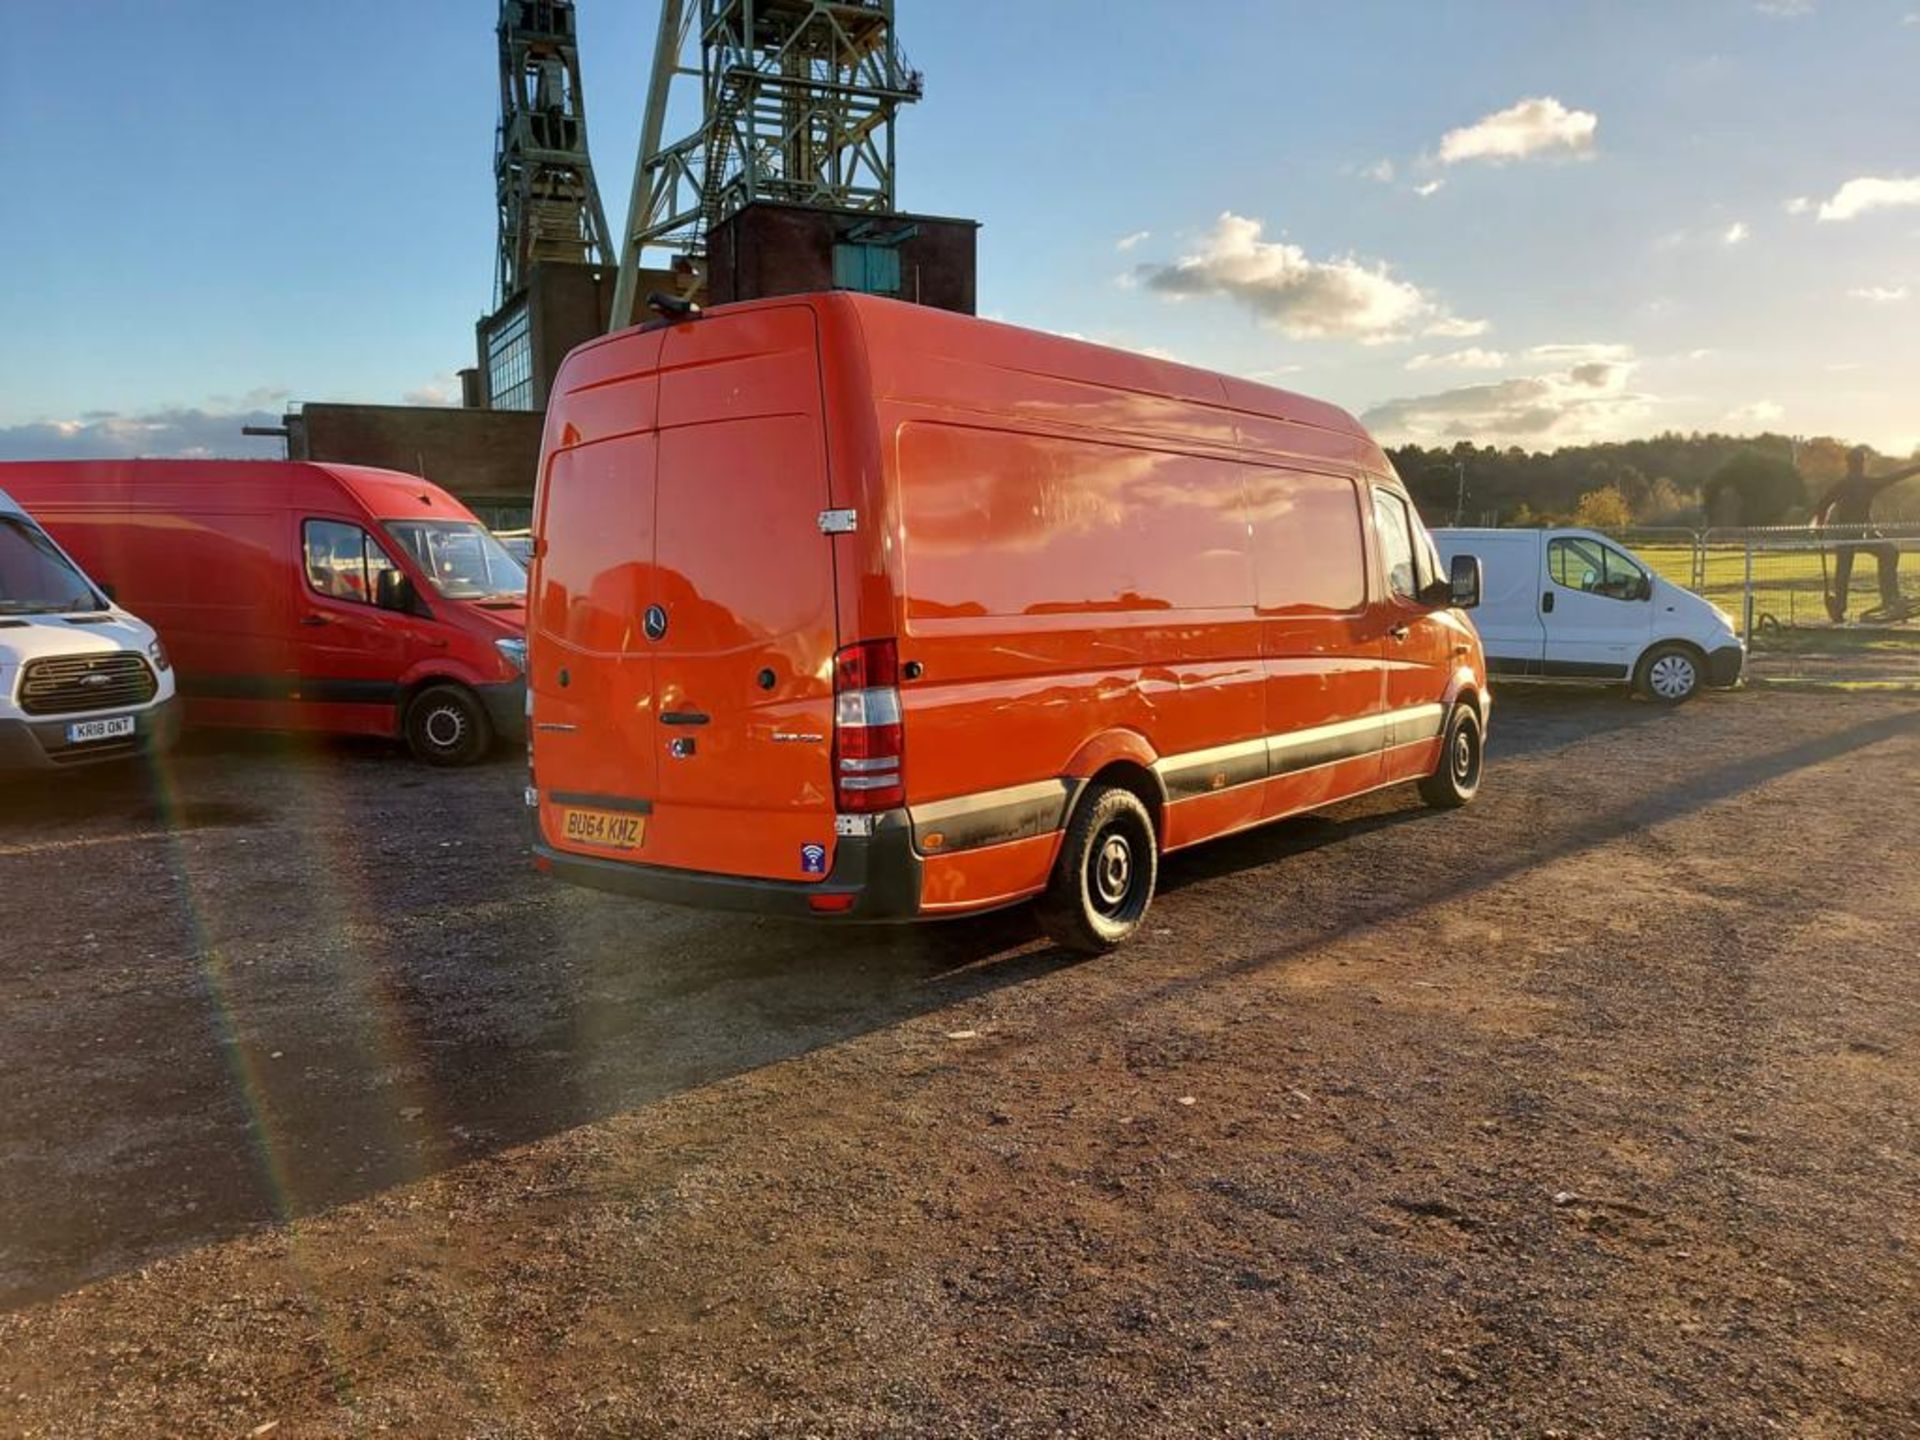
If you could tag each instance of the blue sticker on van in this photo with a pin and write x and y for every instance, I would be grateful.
(813, 859)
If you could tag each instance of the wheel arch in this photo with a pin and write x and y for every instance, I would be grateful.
(1119, 757)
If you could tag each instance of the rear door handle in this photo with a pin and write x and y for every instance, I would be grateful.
(684, 717)
(315, 620)
(1546, 603)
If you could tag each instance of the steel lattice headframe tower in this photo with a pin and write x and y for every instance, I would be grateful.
(798, 100)
(549, 205)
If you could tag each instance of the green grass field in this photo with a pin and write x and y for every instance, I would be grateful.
(1789, 585)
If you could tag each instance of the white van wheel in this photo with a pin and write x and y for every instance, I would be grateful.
(1669, 674)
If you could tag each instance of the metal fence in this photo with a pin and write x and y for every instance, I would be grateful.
(1813, 604)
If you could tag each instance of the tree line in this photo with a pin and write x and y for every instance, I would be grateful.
(1688, 480)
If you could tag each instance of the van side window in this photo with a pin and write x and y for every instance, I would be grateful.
(1308, 550)
(346, 563)
(1582, 564)
(1395, 528)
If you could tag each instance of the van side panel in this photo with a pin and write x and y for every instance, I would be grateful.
(1320, 635)
(1059, 588)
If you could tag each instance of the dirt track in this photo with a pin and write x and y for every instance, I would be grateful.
(1589, 1110)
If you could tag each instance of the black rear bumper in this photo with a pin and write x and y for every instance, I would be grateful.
(880, 872)
(42, 744)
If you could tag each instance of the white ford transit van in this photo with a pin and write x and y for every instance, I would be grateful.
(81, 680)
(1572, 605)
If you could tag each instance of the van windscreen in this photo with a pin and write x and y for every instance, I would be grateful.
(461, 559)
(35, 578)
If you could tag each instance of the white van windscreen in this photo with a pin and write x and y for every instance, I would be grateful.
(35, 578)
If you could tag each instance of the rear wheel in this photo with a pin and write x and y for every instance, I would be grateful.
(1458, 779)
(1670, 674)
(1103, 881)
(447, 725)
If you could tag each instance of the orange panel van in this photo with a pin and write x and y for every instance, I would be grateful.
(856, 609)
(297, 596)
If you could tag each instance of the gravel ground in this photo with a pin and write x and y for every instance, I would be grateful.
(1587, 1111)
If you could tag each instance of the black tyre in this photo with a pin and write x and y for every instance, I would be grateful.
(1461, 756)
(1104, 879)
(1670, 674)
(447, 725)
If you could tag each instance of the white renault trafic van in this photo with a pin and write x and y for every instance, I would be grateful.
(1572, 605)
(81, 680)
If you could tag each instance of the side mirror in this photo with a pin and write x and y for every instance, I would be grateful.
(1464, 581)
(394, 591)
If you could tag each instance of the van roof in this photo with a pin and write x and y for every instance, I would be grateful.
(387, 494)
(900, 325)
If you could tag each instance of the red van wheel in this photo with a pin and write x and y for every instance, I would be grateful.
(1458, 779)
(1103, 881)
(447, 725)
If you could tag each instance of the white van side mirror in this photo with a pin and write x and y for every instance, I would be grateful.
(1465, 578)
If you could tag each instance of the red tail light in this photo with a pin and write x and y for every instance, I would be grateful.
(867, 737)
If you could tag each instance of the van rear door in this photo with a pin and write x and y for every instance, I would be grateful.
(743, 582)
(592, 677)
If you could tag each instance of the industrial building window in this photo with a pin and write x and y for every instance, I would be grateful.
(872, 269)
(510, 362)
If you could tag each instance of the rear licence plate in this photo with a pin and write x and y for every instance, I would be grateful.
(604, 827)
(81, 731)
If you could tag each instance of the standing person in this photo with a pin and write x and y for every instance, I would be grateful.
(1849, 501)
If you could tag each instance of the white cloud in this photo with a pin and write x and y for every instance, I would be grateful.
(1430, 188)
(174, 432)
(1871, 192)
(1128, 242)
(1381, 170)
(1588, 353)
(1538, 126)
(1453, 327)
(1344, 298)
(1760, 412)
(1913, 19)
(1736, 233)
(1784, 9)
(1583, 401)
(1471, 358)
(1799, 205)
(1879, 294)
(443, 389)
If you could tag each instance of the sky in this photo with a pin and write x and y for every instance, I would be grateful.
(1510, 221)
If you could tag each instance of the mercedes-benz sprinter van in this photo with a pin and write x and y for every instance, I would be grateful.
(854, 608)
(299, 596)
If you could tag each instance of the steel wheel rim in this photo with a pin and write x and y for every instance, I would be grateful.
(1111, 873)
(1465, 758)
(450, 737)
(1672, 676)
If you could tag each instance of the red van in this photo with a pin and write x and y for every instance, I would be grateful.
(851, 608)
(295, 596)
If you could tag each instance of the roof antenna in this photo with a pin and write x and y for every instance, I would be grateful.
(671, 307)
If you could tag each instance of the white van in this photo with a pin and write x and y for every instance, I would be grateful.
(81, 680)
(1572, 605)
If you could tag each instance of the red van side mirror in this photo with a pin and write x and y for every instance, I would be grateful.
(1464, 581)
